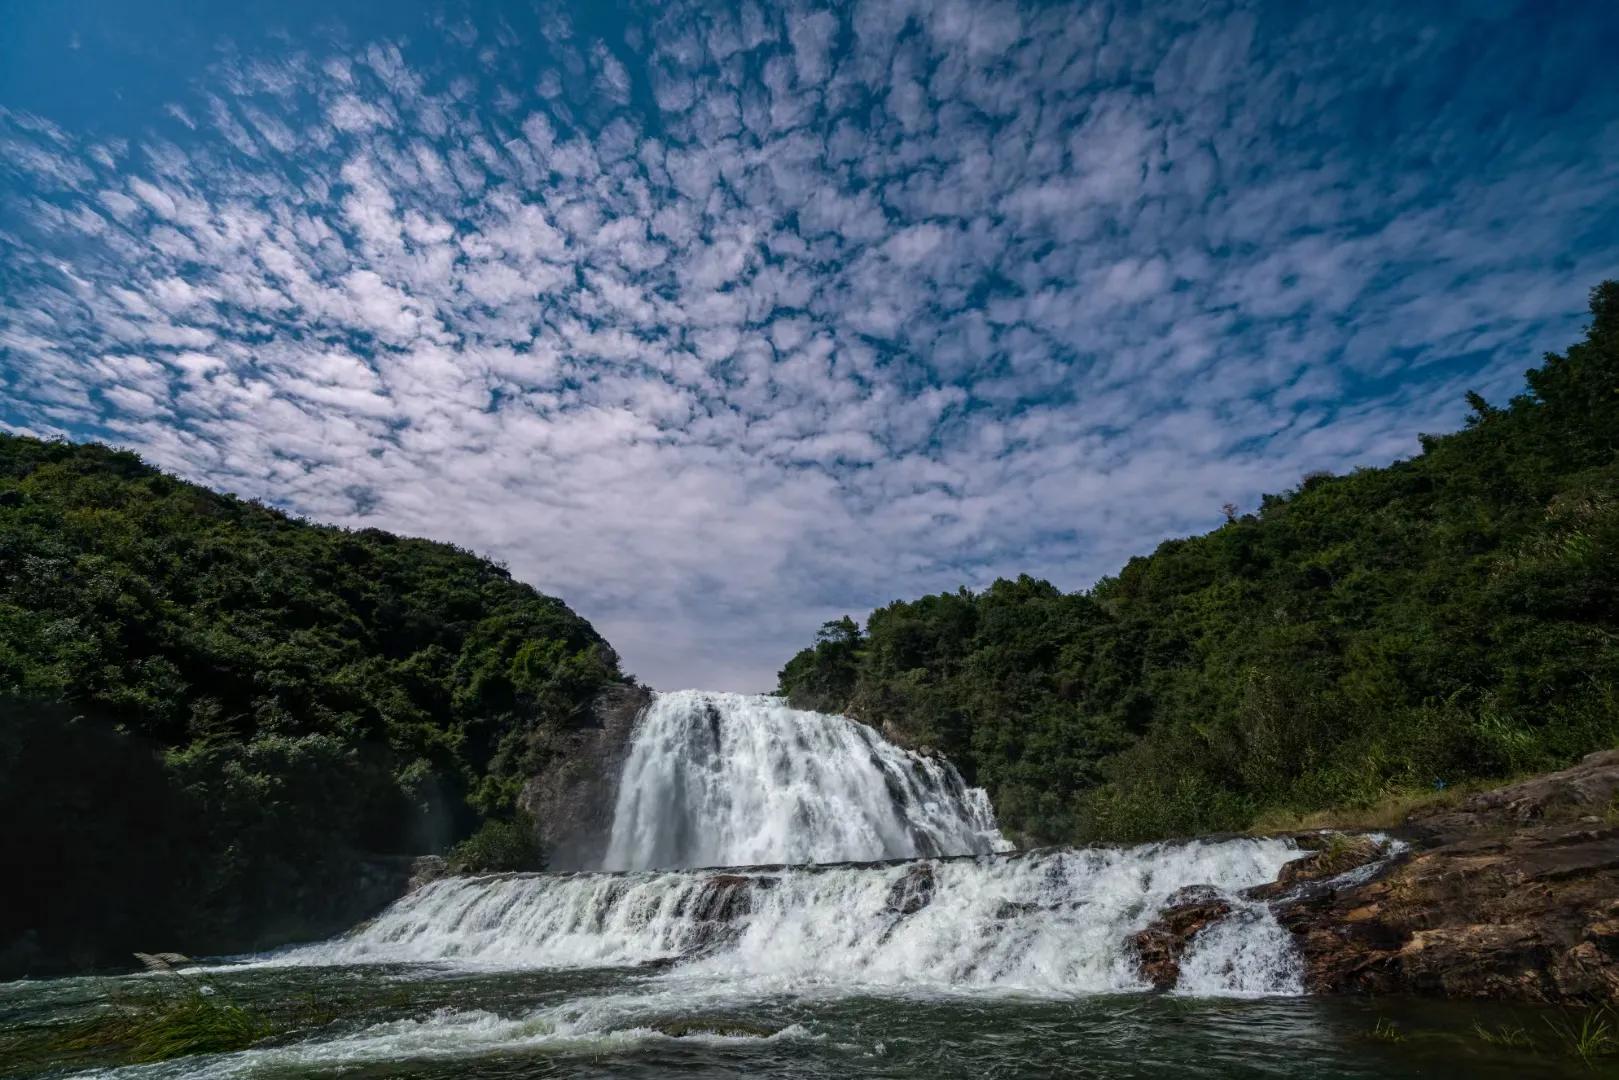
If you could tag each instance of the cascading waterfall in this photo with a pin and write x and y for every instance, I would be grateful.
(853, 865)
(739, 780)
(1052, 921)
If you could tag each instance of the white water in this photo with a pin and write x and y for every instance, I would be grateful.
(740, 780)
(1045, 922)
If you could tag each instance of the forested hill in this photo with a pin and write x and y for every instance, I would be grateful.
(210, 710)
(1449, 617)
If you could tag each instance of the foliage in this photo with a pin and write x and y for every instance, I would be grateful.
(1444, 619)
(209, 710)
(499, 846)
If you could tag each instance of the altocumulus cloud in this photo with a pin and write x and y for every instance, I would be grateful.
(718, 322)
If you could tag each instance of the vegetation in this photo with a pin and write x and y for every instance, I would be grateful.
(156, 1028)
(1386, 1030)
(499, 847)
(1352, 642)
(1588, 1035)
(1511, 1037)
(211, 712)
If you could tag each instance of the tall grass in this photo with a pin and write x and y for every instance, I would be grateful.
(1590, 1035)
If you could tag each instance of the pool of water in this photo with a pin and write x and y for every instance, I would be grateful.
(432, 1020)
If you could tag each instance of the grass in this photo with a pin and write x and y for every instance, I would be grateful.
(1387, 811)
(1588, 1036)
(1509, 1038)
(1386, 1030)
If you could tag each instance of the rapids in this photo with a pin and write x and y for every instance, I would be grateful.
(1046, 922)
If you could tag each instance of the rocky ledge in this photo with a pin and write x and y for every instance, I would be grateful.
(575, 795)
(1510, 894)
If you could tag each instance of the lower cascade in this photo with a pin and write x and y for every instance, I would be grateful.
(1045, 921)
(739, 780)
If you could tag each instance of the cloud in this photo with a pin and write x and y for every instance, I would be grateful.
(738, 319)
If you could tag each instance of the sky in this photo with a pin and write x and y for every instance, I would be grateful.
(718, 321)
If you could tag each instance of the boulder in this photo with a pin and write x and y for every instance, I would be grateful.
(913, 891)
(1161, 945)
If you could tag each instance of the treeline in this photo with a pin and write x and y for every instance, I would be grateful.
(213, 716)
(1449, 617)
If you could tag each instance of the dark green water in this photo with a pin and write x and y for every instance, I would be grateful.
(425, 1021)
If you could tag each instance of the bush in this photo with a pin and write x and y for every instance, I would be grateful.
(498, 847)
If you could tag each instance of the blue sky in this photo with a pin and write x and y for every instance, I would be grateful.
(719, 321)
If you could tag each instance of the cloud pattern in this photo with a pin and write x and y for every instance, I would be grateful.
(721, 322)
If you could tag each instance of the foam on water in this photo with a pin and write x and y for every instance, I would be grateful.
(1056, 921)
(589, 1025)
(736, 779)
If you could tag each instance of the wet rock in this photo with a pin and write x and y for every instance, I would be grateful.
(1338, 853)
(1511, 894)
(662, 963)
(1160, 947)
(913, 891)
(723, 898)
(573, 798)
(723, 1026)
(425, 869)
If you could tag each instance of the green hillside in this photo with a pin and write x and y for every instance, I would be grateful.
(211, 712)
(1450, 617)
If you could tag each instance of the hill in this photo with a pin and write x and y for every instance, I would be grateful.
(214, 716)
(1447, 618)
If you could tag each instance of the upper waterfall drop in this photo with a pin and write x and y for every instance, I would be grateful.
(740, 780)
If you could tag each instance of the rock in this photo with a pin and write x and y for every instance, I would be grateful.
(661, 963)
(734, 1029)
(1589, 789)
(425, 869)
(723, 898)
(1161, 945)
(716, 905)
(913, 891)
(1337, 854)
(572, 799)
(1512, 894)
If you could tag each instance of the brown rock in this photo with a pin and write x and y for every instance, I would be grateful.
(1338, 853)
(1160, 946)
(1516, 896)
(1589, 789)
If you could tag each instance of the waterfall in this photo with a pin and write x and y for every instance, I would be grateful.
(1048, 921)
(740, 780)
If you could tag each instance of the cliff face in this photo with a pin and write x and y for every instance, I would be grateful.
(1513, 894)
(573, 798)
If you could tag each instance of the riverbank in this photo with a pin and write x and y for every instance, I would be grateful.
(1507, 894)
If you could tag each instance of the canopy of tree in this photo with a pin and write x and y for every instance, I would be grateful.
(210, 710)
(1449, 617)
